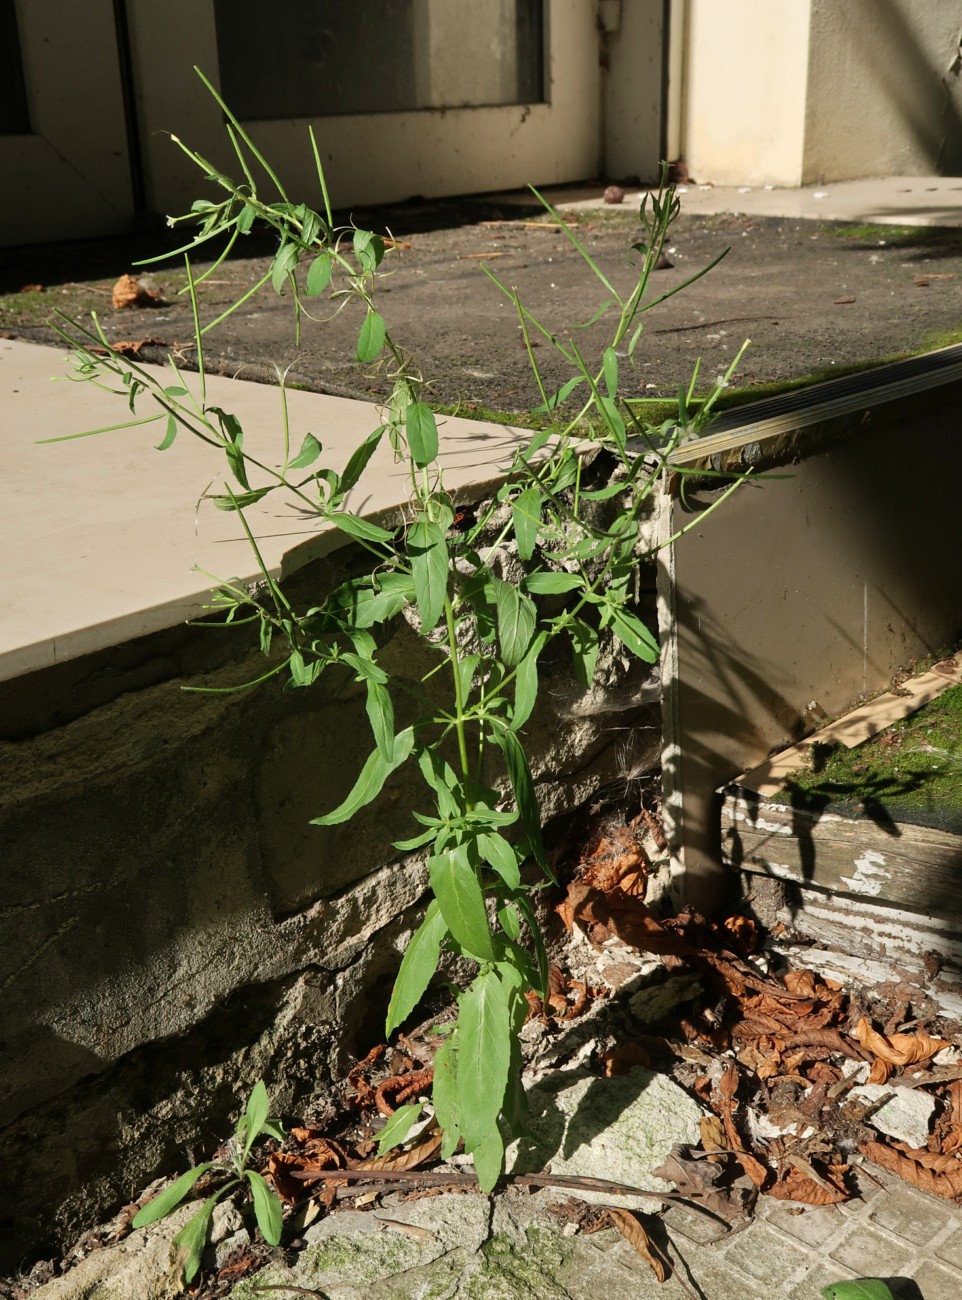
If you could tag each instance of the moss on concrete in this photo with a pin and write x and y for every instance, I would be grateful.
(913, 768)
(513, 1270)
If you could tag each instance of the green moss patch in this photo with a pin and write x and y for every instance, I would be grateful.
(912, 770)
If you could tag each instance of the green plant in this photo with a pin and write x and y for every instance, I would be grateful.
(862, 1289)
(551, 559)
(190, 1241)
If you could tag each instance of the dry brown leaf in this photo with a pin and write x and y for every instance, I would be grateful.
(898, 1049)
(132, 348)
(623, 1059)
(128, 292)
(947, 1184)
(755, 1170)
(633, 1232)
(712, 1133)
(417, 1155)
(282, 1166)
(811, 1188)
(743, 931)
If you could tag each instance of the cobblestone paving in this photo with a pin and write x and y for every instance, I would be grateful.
(893, 1232)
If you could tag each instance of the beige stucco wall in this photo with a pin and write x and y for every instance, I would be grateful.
(884, 89)
(807, 91)
(746, 67)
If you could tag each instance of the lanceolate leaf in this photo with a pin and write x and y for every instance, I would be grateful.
(500, 856)
(418, 965)
(526, 684)
(484, 1053)
(458, 891)
(551, 584)
(258, 1107)
(370, 340)
(319, 274)
(359, 458)
(429, 564)
(169, 436)
(191, 1239)
(362, 529)
(488, 1156)
(584, 645)
(422, 432)
(398, 1126)
(526, 513)
(267, 1208)
(519, 775)
(373, 600)
(170, 1198)
(380, 712)
(308, 454)
(444, 1093)
(631, 632)
(370, 781)
(516, 620)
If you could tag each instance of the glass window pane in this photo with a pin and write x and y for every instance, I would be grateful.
(14, 116)
(326, 59)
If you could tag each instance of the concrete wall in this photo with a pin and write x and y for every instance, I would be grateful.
(172, 928)
(745, 77)
(807, 91)
(884, 89)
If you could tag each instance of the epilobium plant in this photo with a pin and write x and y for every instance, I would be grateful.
(578, 541)
(190, 1241)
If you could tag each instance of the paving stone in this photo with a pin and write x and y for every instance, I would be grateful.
(909, 1214)
(936, 1282)
(950, 1250)
(819, 1276)
(873, 1254)
(815, 1226)
(695, 1227)
(767, 1256)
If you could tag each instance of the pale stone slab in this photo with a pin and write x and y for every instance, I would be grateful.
(103, 539)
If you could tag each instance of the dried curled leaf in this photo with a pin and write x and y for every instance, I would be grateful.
(826, 1187)
(633, 1232)
(898, 1049)
(418, 1155)
(948, 1185)
(128, 292)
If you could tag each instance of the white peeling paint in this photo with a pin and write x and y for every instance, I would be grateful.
(871, 874)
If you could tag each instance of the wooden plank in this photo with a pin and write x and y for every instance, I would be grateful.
(916, 867)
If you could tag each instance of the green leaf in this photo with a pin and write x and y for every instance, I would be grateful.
(526, 513)
(371, 338)
(380, 712)
(368, 249)
(551, 584)
(356, 466)
(398, 1126)
(318, 274)
(458, 891)
(584, 646)
(517, 616)
(285, 259)
(861, 1289)
(526, 683)
(510, 923)
(258, 1107)
(267, 1208)
(169, 436)
(245, 219)
(308, 454)
(488, 1157)
(362, 529)
(374, 600)
(233, 434)
(613, 419)
(610, 362)
(501, 857)
(562, 395)
(422, 433)
(428, 552)
(523, 903)
(418, 965)
(444, 1094)
(192, 1238)
(521, 783)
(370, 781)
(170, 1198)
(484, 1053)
(238, 500)
(633, 634)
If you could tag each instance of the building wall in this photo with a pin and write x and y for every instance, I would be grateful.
(884, 91)
(746, 70)
(808, 91)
